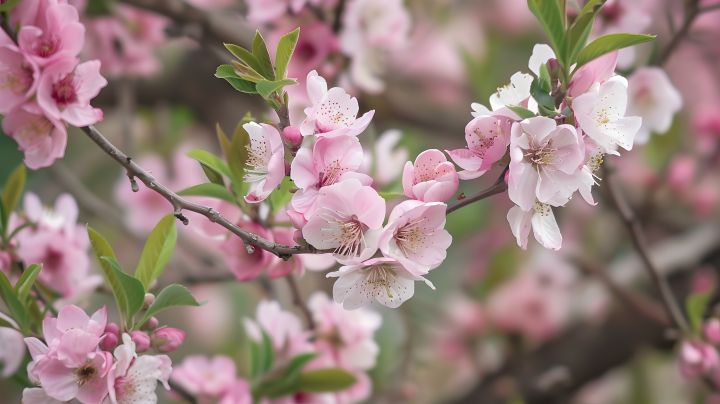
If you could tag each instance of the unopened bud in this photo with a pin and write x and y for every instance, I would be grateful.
(553, 68)
(150, 324)
(149, 299)
(292, 136)
(168, 339)
(109, 342)
(711, 329)
(112, 328)
(141, 340)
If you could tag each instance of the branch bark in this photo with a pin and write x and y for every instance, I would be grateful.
(499, 187)
(300, 302)
(692, 10)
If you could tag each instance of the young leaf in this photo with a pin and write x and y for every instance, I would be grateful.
(26, 281)
(9, 5)
(171, 296)
(326, 380)
(262, 355)
(524, 113)
(280, 197)
(211, 161)
(269, 355)
(224, 143)
(544, 99)
(226, 72)
(544, 80)
(17, 309)
(132, 287)
(212, 176)
(260, 51)
(589, 6)
(12, 192)
(609, 43)
(247, 58)
(102, 249)
(285, 49)
(246, 73)
(551, 18)
(211, 190)
(158, 250)
(266, 88)
(695, 305)
(579, 32)
(289, 382)
(7, 324)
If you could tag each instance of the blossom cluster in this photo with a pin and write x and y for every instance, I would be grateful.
(43, 85)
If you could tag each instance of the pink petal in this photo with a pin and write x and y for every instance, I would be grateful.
(369, 207)
(59, 381)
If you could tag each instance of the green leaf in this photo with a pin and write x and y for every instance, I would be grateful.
(549, 112)
(212, 176)
(266, 88)
(256, 359)
(589, 6)
(224, 144)
(26, 281)
(171, 296)
(211, 190)
(260, 51)
(544, 99)
(326, 380)
(388, 196)
(248, 58)
(280, 197)
(544, 80)
(289, 382)
(9, 5)
(102, 249)
(579, 32)
(17, 309)
(285, 49)
(269, 352)
(158, 249)
(524, 113)
(12, 192)
(132, 287)
(211, 161)
(696, 305)
(246, 73)
(551, 18)
(7, 324)
(609, 43)
(226, 72)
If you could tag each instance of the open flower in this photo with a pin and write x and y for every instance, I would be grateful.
(266, 154)
(43, 139)
(697, 359)
(415, 236)
(12, 348)
(283, 327)
(66, 88)
(545, 161)
(133, 379)
(333, 112)
(601, 115)
(593, 158)
(596, 72)
(515, 94)
(487, 138)
(382, 280)
(348, 219)
(540, 216)
(60, 34)
(431, 179)
(18, 78)
(388, 160)
(206, 377)
(652, 96)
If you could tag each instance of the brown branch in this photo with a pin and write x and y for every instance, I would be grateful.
(337, 23)
(284, 117)
(180, 204)
(692, 10)
(174, 387)
(499, 187)
(300, 302)
(634, 228)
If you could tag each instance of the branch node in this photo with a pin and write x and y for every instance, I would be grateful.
(134, 185)
(181, 217)
(214, 215)
(249, 247)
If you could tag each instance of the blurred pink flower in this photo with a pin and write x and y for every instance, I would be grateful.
(652, 96)
(704, 198)
(706, 126)
(266, 155)
(316, 42)
(244, 265)
(207, 377)
(283, 327)
(487, 138)
(12, 348)
(56, 36)
(19, 77)
(541, 218)
(66, 88)
(133, 379)
(349, 220)
(279, 267)
(264, 11)
(386, 161)
(711, 330)
(431, 179)
(415, 236)
(382, 280)
(43, 139)
(681, 172)
(697, 359)
(623, 16)
(239, 393)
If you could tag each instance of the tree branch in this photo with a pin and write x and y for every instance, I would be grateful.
(499, 187)
(300, 302)
(174, 387)
(692, 10)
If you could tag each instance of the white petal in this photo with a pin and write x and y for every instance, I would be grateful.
(541, 54)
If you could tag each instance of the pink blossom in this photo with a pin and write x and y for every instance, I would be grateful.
(72, 317)
(711, 330)
(141, 340)
(173, 339)
(210, 3)
(652, 96)
(697, 359)
(348, 219)
(466, 315)
(263, 11)
(681, 172)
(333, 112)
(545, 161)
(431, 179)
(623, 16)
(239, 393)
(346, 336)
(208, 377)
(244, 265)
(415, 236)
(382, 280)
(43, 139)
(292, 136)
(704, 198)
(541, 218)
(66, 88)
(266, 155)
(487, 138)
(18, 78)
(109, 342)
(593, 158)
(283, 327)
(331, 160)
(31, 12)
(317, 41)
(56, 36)
(596, 72)
(706, 126)
(133, 379)
(12, 348)
(278, 267)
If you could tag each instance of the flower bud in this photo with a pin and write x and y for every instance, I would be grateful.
(168, 339)
(292, 136)
(697, 359)
(711, 329)
(109, 342)
(141, 340)
(112, 328)
(150, 324)
(149, 299)
(553, 68)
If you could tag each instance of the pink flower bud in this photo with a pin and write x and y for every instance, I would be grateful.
(711, 329)
(170, 338)
(112, 328)
(292, 136)
(151, 324)
(109, 342)
(681, 172)
(697, 359)
(141, 340)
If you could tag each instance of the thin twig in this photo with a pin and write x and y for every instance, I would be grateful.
(337, 23)
(300, 302)
(174, 387)
(634, 228)
(692, 10)
(284, 117)
(499, 187)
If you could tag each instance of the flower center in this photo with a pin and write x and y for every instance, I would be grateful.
(17, 80)
(258, 158)
(125, 388)
(65, 91)
(348, 232)
(543, 209)
(379, 279)
(410, 236)
(331, 174)
(542, 156)
(86, 373)
(46, 46)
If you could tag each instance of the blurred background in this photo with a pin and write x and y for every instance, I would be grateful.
(568, 326)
